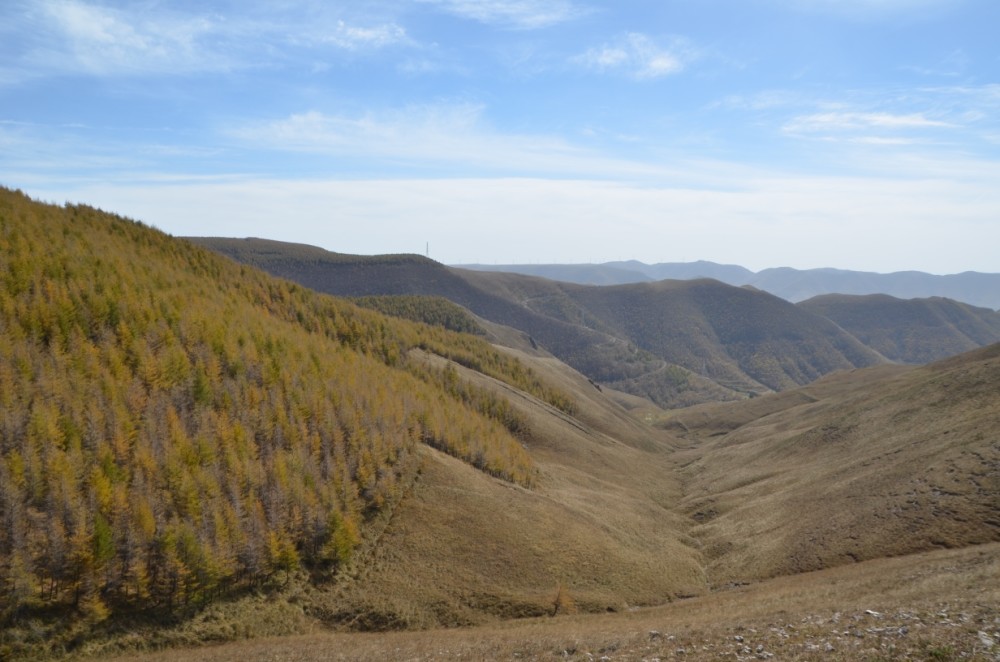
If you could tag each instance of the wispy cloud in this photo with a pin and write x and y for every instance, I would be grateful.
(873, 129)
(101, 40)
(71, 152)
(455, 135)
(83, 37)
(981, 96)
(378, 36)
(522, 14)
(856, 121)
(639, 56)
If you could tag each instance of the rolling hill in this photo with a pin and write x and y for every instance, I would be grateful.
(676, 343)
(912, 330)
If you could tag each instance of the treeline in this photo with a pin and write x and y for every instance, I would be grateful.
(175, 426)
(433, 310)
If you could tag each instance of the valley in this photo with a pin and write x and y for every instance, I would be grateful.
(268, 450)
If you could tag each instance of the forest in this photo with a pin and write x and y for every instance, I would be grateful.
(176, 426)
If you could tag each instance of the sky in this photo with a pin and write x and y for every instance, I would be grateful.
(856, 134)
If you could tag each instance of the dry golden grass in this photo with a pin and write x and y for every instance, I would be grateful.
(941, 606)
(860, 466)
(601, 522)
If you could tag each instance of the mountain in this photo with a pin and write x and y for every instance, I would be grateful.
(727, 273)
(621, 273)
(977, 289)
(913, 330)
(675, 342)
(741, 340)
(585, 274)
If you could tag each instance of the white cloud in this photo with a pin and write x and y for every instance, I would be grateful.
(522, 14)
(854, 121)
(84, 37)
(100, 40)
(637, 55)
(379, 36)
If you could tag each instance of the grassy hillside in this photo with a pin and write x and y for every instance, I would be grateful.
(600, 523)
(859, 465)
(344, 275)
(746, 340)
(912, 331)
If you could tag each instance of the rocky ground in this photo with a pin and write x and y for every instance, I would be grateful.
(970, 634)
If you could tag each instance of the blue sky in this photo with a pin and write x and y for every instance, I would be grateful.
(860, 134)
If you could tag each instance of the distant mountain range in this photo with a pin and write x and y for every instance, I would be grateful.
(676, 342)
(978, 289)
